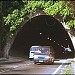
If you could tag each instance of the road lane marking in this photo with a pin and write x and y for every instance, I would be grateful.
(58, 68)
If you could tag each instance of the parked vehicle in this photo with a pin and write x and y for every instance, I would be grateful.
(44, 54)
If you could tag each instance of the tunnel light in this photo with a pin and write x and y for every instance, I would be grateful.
(68, 49)
(48, 38)
(54, 41)
(40, 33)
(66, 39)
(61, 46)
(58, 44)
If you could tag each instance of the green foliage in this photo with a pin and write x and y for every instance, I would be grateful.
(17, 16)
(14, 19)
(49, 7)
(65, 10)
(69, 71)
(59, 7)
(71, 23)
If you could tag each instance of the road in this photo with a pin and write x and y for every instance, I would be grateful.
(28, 67)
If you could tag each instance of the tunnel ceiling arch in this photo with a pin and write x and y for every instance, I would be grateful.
(41, 30)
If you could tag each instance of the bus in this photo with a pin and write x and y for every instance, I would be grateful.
(32, 50)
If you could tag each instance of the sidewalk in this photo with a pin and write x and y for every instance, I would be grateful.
(11, 60)
(70, 68)
(73, 65)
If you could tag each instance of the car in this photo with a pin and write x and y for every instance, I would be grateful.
(45, 54)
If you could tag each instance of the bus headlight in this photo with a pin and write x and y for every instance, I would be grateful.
(35, 56)
(47, 57)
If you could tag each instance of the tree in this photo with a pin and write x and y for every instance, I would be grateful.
(16, 17)
(5, 8)
(15, 12)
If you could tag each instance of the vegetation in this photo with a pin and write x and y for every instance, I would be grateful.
(49, 7)
(13, 13)
(68, 71)
(17, 16)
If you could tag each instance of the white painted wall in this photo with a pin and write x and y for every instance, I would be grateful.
(70, 32)
(72, 39)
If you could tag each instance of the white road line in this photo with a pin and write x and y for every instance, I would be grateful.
(58, 68)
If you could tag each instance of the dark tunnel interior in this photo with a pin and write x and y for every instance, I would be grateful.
(42, 30)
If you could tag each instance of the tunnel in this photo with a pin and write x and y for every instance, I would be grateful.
(42, 30)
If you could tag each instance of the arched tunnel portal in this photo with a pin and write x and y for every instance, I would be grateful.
(42, 30)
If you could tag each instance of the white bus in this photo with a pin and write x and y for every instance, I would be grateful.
(32, 50)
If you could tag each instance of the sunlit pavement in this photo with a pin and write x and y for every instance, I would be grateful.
(61, 61)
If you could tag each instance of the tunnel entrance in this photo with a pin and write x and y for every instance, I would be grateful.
(42, 30)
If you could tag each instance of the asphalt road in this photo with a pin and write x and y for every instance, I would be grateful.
(28, 67)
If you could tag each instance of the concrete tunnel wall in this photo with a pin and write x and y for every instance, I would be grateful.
(41, 30)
